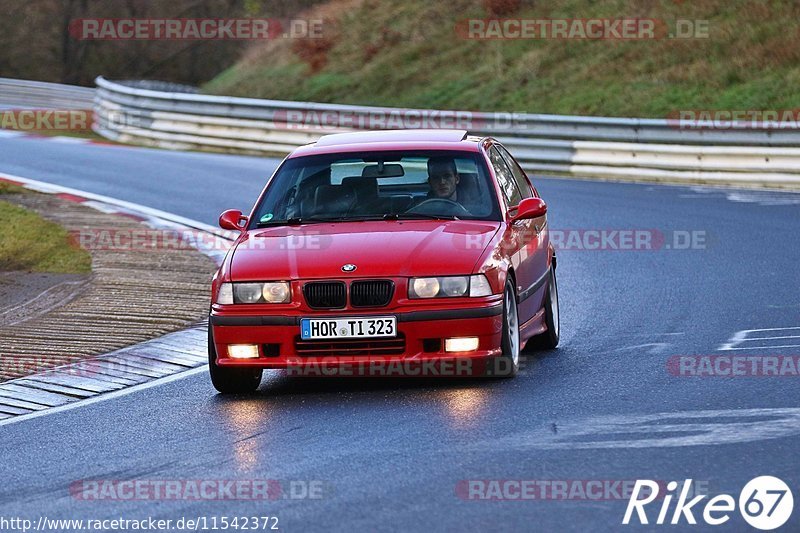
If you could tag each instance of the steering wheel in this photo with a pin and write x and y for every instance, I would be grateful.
(435, 206)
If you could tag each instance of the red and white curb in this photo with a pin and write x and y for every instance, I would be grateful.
(154, 362)
(209, 240)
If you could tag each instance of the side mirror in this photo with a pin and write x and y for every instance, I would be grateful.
(530, 208)
(232, 219)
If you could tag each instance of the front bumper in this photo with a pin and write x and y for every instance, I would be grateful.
(419, 346)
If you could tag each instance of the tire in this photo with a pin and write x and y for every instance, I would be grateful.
(507, 364)
(552, 318)
(230, 380)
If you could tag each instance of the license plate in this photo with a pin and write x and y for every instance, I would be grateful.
(348, 328)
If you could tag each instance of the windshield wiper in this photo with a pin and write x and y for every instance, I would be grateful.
(296, 221)
(418, 216)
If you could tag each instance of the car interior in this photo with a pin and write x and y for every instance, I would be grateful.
(377, 190)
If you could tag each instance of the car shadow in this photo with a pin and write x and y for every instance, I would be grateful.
(278, 383)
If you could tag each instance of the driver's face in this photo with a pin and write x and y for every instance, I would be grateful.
(443, 181)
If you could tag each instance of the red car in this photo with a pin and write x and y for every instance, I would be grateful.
(412, 252)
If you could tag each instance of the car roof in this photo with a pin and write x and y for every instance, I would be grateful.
(387, 140)
(356, 137)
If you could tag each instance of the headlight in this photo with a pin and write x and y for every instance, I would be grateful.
(479, 286)
(424, 288)
(246, 293)
(274, 292)
(449, 287)
(454, 286)
(225, 295)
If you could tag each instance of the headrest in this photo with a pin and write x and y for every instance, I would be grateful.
(364, 187)
(334, 199)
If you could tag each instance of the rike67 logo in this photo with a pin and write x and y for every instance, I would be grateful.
(765, 503)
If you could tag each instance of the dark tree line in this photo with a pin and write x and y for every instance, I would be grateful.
(36, 43)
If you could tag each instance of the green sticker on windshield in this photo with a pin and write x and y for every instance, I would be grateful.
(266, 218)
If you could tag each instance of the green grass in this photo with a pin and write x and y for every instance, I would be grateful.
(29, 242)
(9, 188)
(406, 53)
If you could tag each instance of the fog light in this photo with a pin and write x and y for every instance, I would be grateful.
(461, 344)
(243, 351)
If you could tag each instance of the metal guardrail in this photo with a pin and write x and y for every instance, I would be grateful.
(614, 148)
(26, 94)
(626, 148)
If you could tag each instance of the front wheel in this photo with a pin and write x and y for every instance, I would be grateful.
(230, 380)
(549, 339)
(507, 364)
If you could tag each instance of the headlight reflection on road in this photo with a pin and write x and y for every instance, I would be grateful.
(247, 420)
(464, 407)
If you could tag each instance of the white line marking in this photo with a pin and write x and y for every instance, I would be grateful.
(763, 347)
(107, 396)
(772, 338)
(154, 217)
(68, 140)
(773, 329)
(51, 188)
(661, 430)
(656, 334)
(655, 347)
(100, 206)
(737, 338)
(740, 337)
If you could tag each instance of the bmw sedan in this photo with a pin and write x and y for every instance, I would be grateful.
(395, 253)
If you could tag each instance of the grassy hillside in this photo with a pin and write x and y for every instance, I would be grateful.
(407, 53)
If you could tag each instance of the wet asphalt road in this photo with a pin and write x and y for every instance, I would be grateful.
(389, 454)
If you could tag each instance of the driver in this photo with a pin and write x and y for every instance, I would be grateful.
(443, 178)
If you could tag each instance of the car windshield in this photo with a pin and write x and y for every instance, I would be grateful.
(372, 185)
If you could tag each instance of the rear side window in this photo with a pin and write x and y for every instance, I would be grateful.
(505, 178)
(519, 174)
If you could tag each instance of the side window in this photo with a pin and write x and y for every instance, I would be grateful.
(505, 178)
(519, 174)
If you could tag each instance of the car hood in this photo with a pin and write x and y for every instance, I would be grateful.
(377, 249)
